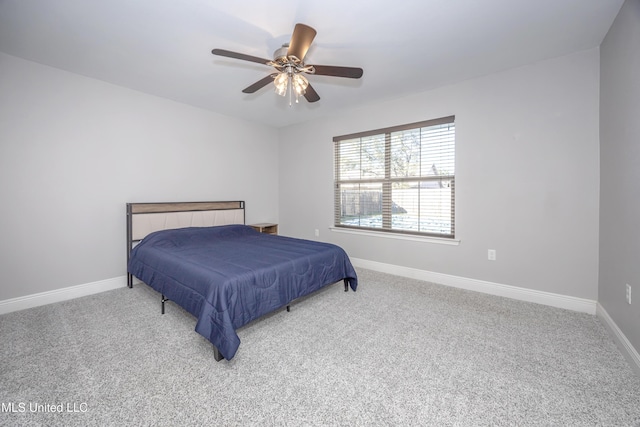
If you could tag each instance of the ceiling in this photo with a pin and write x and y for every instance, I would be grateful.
(163, 47)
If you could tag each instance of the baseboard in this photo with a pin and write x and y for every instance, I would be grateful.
(522, 294)
(623, 343)
(546, 298)
(43, 298)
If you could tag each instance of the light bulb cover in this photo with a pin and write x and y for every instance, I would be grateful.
(281, 83)
(299, 84)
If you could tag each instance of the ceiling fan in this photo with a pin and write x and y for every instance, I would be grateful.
(288, 62)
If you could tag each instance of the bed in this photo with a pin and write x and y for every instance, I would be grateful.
(201, 256)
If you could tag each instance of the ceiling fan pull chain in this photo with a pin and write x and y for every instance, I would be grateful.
(290, 90)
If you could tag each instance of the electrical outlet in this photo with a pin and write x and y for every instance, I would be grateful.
(317, 233)
(628, 296)
(491, 255)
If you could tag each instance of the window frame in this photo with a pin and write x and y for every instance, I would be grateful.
(388, 181)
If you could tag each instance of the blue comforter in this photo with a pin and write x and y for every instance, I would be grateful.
(229, 275)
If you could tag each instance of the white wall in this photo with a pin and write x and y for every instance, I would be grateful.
(527, 179)
(620, 169)
(74, 150)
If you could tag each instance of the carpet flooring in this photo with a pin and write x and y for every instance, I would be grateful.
(397, 352)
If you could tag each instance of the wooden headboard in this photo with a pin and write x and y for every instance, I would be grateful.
(146, 218)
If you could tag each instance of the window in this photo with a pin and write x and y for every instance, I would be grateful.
(400, 179)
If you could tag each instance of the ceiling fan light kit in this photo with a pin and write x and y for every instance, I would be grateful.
(288, 62)
(296, 83)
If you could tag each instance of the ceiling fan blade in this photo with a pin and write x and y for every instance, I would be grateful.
(236, 55)
(329, 70)
(311, 95)
(258, 85)
(301, 39)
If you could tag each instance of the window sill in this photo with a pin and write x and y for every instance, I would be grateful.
(398, 236)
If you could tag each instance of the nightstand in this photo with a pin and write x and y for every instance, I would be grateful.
(265, 227)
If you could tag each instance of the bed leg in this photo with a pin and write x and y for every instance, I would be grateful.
(216, 354)
(288, 308)
(129, 280)
(163, 299)
(346, 285)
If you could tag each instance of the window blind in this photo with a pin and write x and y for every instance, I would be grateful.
(399, 179)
